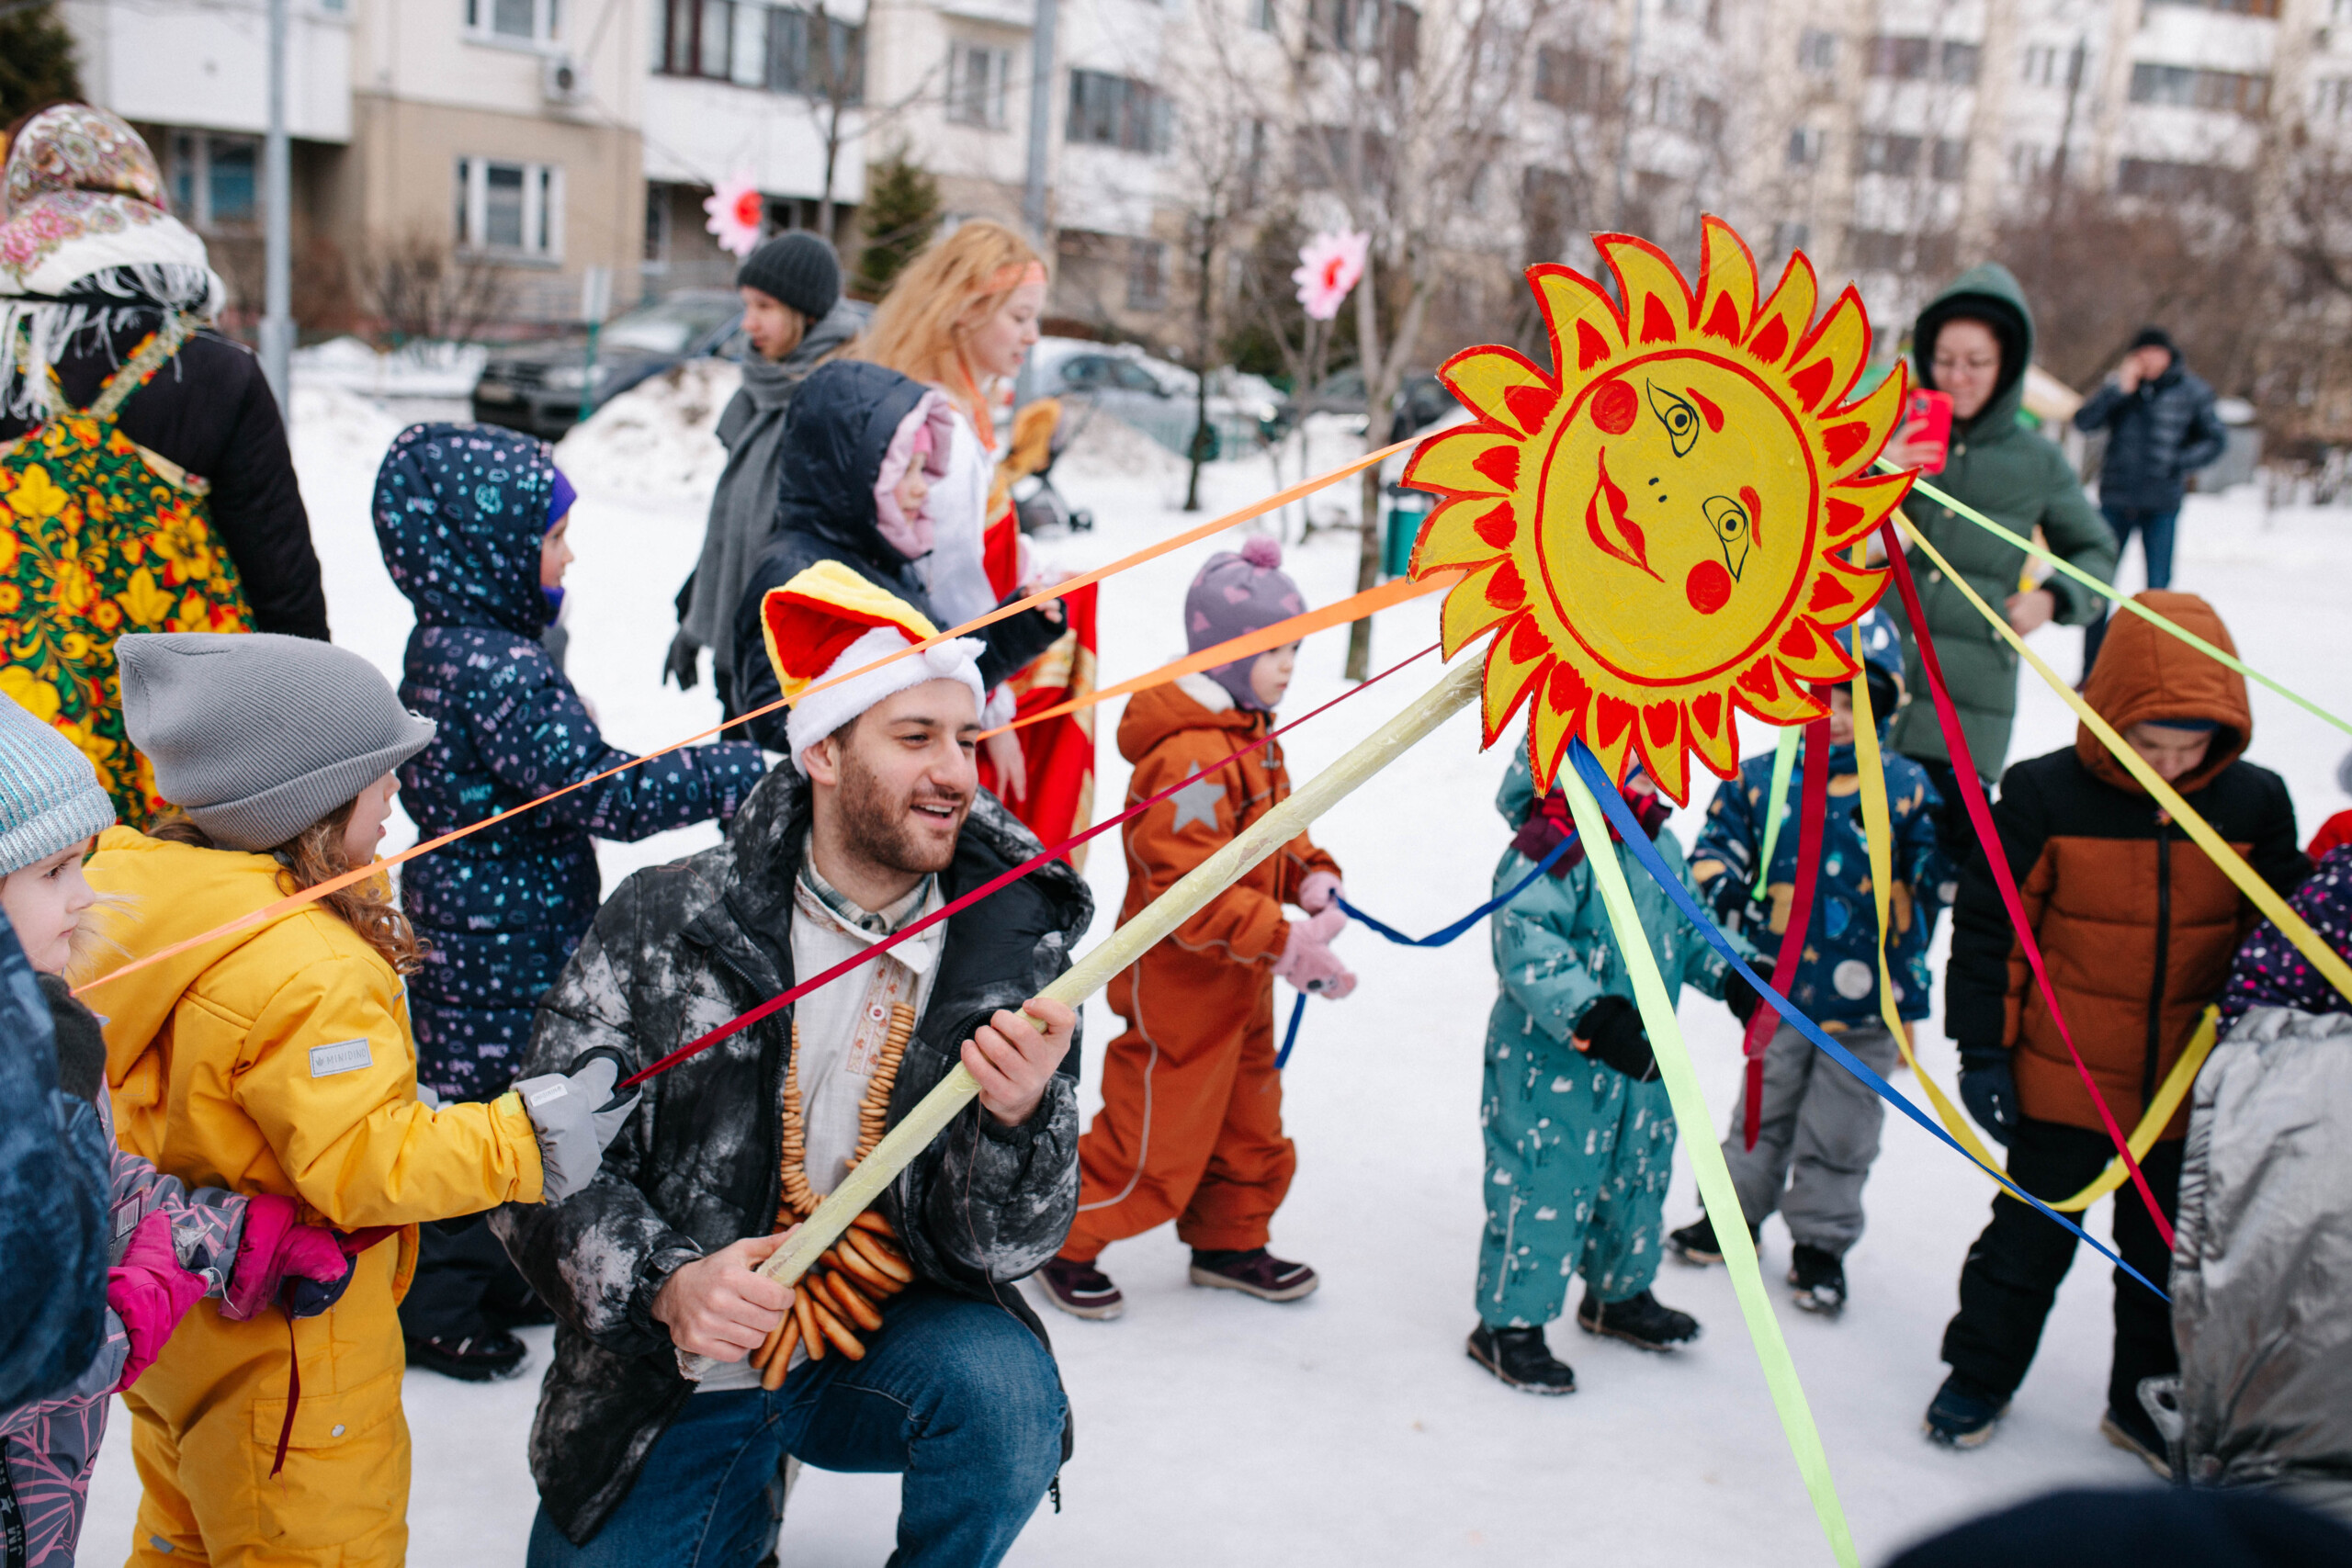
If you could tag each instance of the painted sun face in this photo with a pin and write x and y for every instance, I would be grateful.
(1652, 533)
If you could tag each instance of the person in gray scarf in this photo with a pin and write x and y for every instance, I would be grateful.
(795, 317)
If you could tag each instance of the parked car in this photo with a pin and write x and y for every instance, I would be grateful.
(1424, 402)
(537, 388)
(1156, 396)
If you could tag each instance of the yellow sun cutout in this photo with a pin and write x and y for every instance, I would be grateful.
(1653, 531)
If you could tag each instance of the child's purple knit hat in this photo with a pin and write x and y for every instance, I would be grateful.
(1236, 593)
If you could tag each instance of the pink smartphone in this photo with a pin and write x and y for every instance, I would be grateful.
(1926, 416)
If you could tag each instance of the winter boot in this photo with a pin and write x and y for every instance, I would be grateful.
(1256, 1272)
(1519, 1357)
(1696, 1244)
(1961, 1415)
(476, 1357)
(1817, 1281)
(2136, 1435)
(1081, 1289)
(1640, 1320)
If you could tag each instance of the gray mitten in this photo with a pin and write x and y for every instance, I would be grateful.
(577, 1116)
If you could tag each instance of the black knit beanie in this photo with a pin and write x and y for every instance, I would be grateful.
(797, 268)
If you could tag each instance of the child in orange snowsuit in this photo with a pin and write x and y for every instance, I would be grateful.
(1191, 1126)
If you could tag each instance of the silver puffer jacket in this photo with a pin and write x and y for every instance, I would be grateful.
(2262, 1265)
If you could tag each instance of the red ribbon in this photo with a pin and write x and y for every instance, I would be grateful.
(1812, 814)
(1980, 815)
(736, 1026)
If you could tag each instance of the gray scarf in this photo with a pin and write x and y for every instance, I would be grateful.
(742, 509)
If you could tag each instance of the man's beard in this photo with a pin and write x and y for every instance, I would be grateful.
(877, 828)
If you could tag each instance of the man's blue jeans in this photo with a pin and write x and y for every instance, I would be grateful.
(2156, 531)
(958, 1394)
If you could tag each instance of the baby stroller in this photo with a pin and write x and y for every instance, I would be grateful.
(1025, 473)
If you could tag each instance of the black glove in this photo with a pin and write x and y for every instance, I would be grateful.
(1610, 1032)
(683, 662)
(1732, 897)
(1988, 1087)
(309, 1298)
(1741, 996)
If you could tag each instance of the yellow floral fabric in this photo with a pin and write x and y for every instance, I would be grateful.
(99, 541)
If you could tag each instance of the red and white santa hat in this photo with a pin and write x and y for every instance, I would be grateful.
(827, 625)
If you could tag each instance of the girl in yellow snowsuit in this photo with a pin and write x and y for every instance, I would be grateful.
(277, 1058)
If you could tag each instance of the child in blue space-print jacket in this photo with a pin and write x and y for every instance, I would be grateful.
(1819, 1125)
(472, 522)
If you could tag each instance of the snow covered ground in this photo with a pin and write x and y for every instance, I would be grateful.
(1348, 1427)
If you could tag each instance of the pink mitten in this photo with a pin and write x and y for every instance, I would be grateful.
(275, 1249)
(1316, 893)
(1307, 961)
(150, 1292)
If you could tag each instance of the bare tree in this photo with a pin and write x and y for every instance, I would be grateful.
(825, 62)
(419, 289)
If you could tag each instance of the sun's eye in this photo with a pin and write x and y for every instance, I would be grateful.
(1729, 517)
(1675, 413)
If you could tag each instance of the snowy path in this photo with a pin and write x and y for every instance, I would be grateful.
(1348, 1427)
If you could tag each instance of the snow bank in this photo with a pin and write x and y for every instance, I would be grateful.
(659, 439)
(418, 371)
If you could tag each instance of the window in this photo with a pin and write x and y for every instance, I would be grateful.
(780, 49)
(1818, 52)
(2331, 98)
(657, 226)
(1570, 79)
(2172, 182)
(1805, 143)
(1326, 152)
(2189, 87)
(523, 21)
(2240, 8)
(513, 208)
(1961, 62)
(1878, 153)
(1948, 161)
(1366, 27)
(1789, 237)
(2029, 162)
(1146, 275)
(1901, 250)
(976, 82)
(1262, 15)
(215, 179)
(1707, 119)
(2041, 65)
(1901, 58)
(1118, 111)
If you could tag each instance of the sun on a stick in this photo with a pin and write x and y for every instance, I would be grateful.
(1652, 529)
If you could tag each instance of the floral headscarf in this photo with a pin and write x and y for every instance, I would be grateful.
(85, 240)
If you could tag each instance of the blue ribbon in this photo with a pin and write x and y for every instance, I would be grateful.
(1435, 939)
(1440, 938)
(1621, 815)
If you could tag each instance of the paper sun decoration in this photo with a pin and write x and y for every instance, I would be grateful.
(737, 211)
(1329, 265)
(1654, 533)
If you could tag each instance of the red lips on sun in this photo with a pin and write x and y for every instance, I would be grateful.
(1615, 409)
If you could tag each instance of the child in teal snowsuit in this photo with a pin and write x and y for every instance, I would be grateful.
(1578, 1132)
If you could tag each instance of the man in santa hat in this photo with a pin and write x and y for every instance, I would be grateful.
(876, 821)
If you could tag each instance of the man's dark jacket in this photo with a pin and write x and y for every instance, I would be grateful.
(840, 425)
(684, 948)
(2158, 435)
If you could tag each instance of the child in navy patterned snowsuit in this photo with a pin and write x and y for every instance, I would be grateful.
(466, 515)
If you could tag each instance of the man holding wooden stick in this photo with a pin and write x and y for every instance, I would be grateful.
(907, 1347)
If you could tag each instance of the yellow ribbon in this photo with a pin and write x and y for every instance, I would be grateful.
(2159, 1115)
(2264, 897)
(1716, 1188)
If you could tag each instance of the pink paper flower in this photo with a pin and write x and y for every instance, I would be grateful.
(1329, 265)
(737, 210)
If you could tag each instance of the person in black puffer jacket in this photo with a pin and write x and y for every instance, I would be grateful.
(465, 515)
(625, 1449)
(835, 437)
(2160, 428)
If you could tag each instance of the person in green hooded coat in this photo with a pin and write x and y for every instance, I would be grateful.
(1973, 341)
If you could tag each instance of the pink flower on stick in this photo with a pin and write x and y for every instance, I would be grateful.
(1329, 265)
(737, 212)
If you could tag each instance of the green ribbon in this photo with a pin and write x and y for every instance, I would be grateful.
(1715, 1190)
(2122, 599)
(1784, 759)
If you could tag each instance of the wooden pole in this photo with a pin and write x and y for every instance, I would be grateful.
(1091, 973)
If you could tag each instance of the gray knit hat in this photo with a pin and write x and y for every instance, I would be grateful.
(256, 737)
(49, 796)
(797, 268)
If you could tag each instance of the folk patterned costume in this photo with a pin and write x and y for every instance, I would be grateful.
(106, 535)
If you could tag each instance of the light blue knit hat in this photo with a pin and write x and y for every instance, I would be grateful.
(49, 796)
